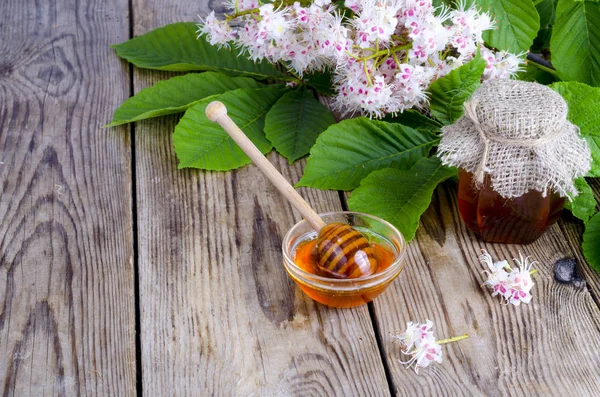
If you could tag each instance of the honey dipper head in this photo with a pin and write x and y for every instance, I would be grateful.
(215, 110)
(343, 252)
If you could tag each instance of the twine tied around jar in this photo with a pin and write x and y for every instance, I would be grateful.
(518, 133)
(470, 112)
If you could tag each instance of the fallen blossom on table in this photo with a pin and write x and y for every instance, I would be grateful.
(513, 285)
(420, 344)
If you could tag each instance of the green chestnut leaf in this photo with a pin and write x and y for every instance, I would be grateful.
(400, 196)
(294, 123)
(201, 143)
(177, 48)
(350, 150)
(176, 95)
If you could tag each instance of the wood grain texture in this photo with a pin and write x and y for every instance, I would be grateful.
(219, 315)
(548, 347)
(66, 252)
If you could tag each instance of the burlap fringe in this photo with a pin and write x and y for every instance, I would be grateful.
(518, 133)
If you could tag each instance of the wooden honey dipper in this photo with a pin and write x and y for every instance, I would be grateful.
(342, 251)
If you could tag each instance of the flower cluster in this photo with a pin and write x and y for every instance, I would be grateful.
(419, 343)
(384, 54)
(514, 285)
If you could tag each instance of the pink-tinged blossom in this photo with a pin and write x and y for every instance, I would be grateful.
(329, 40)
(444, 66)
(427, 30)
(520, 281)
(276, 24)
(302, 57)
(497, 275)
(513, 285)
(272, 24)
(435, 37)
(471, 21)
(251, 39)
(411, 335)
(217, 32)
(427, 352)
(354, 5)
(468, 25)
(501, 64)
(419, 343)
(417, 9)
(410, 84)
(361, 87)
(376, 22)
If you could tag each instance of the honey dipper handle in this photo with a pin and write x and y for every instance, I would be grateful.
(216, 111)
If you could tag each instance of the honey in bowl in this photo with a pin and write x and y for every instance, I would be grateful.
(301, 262)
(306, 257)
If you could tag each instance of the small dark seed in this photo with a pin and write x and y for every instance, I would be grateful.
(564, 270)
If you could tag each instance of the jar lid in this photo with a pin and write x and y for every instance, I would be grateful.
(518, 133)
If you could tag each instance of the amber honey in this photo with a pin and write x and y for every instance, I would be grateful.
(356, 293)
(519, 220)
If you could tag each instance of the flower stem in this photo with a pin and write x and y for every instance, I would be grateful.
(381, 61)
(454, 339)
(351, 55)
(364, 48)
(396, 60)
(399, 38)
(369, 81)
(445, 54)
(387, 51)
(239, 14)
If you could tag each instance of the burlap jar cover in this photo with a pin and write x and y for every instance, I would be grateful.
(518, 133)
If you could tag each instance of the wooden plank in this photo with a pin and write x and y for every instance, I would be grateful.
(219, 315)
(66, 247)
(595, 185)
(548, 347)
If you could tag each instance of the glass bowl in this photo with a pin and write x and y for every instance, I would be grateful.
(346, 292)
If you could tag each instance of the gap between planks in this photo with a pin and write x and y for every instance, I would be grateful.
(374, 322)
(139, 388)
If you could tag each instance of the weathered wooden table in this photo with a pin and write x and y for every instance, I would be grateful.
(121, 275)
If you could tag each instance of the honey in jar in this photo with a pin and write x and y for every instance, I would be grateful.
(519, 158)
(496, 219)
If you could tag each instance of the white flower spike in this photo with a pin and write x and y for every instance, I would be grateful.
(383, 56)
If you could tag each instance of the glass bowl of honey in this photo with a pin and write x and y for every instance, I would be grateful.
(300, 262)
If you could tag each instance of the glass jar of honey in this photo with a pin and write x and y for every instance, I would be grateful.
(518, 157)
(496, 219)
